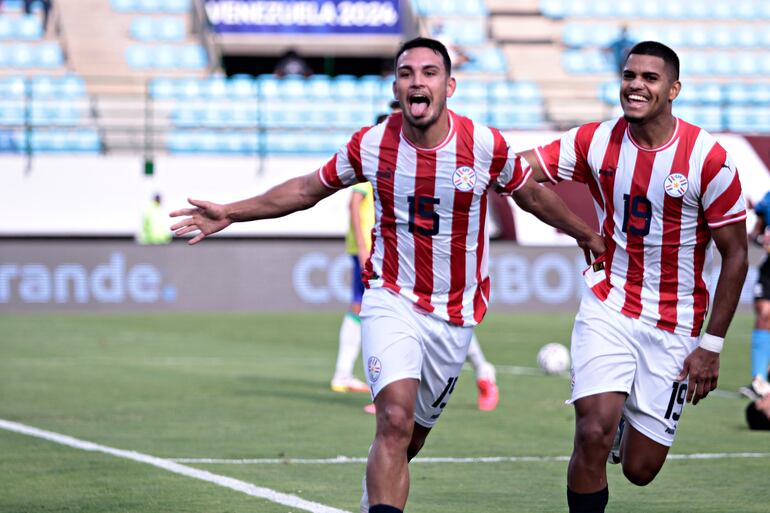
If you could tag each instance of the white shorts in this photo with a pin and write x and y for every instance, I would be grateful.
(401, 341)
(615, 353)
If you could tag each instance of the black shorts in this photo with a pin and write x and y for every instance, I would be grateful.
(762, 287)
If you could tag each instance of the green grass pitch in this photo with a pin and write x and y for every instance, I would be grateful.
(256, 386)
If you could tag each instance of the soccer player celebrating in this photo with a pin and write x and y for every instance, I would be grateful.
(663, 190)
(427, 280)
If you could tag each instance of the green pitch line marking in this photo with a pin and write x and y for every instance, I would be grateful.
(227, 482)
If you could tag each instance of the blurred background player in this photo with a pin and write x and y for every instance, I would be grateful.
(154, 229)
(758, 414)
(760, 337)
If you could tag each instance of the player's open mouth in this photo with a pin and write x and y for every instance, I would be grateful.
(636, 99)
(418, 104)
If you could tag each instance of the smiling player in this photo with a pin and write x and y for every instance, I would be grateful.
(663, 190)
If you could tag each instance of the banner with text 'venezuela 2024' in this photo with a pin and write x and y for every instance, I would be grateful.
(304, 17)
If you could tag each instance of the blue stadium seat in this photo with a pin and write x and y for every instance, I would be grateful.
(49, 55)
(11, 113)
(242, 86)
(138, 57)
(319, 86)
(163, 88)
(517, 116)
(28, 28)
(180, 141)
(123, 5)
(12, 87)
(556, 9)
(737, 93)
(760, 93)
(148, 6)
(189, 88)
(7, 30)
(346, 87)
(192, 57)
(142, 29)
(269, 87)
(214, 87)
(170, 29)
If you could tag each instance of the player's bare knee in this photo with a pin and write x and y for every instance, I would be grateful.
(394, 425)
(593, 435)
(639, 474)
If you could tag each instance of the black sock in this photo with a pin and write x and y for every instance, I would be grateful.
(587, 502)
(383, 508)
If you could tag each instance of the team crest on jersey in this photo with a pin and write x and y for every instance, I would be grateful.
(373, 367)
(676, 185)
(464, 178)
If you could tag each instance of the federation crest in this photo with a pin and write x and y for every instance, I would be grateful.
(373, 368)
(676, 185)
(464, 179)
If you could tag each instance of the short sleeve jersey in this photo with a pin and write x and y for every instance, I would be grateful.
(656, 209)
(430, 239)
(365, 216)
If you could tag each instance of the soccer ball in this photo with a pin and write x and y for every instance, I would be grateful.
(553, 358)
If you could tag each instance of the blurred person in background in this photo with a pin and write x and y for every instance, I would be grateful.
(760, 337)
(618, 49)
(292, 64)
(665, 192)
(427, 280)
(758, 414)
(154, 229)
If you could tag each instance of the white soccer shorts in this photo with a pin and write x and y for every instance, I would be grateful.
(615, 353)
(400, 341)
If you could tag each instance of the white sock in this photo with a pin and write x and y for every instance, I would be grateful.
(350, 345)
(364, 504)
(481, 367)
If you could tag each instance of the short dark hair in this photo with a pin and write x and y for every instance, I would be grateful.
(424, 42)
(658, 50)
(756, 418)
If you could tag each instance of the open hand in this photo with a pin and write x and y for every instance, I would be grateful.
(207, 217)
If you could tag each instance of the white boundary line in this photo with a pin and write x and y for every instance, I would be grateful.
(488, 459)
(226, 482)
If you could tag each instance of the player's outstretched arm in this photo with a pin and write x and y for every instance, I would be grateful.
(549, 208)
(296, 194)
(702, 365)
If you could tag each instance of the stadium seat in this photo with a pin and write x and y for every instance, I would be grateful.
(11, 113)
(242, 86)
(12, 87)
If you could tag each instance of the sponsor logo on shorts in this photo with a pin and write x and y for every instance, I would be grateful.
(676, 185)
(373, 367)
(464, 178)
(572, 378)
(671, 431)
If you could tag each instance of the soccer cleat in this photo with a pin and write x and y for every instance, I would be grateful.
(369, 408)
(758, 388)
(350, 384)
(489, 395)
(614, 456)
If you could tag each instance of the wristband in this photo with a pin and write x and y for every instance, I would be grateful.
(712, 343)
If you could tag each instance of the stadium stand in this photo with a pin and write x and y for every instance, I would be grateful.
(151, 78)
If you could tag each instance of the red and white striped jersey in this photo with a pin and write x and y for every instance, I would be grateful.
(656, 208)
(430, 240)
